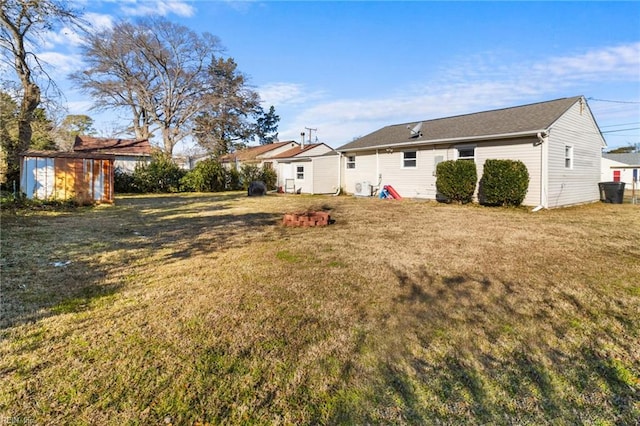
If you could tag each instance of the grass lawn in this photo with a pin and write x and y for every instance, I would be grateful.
(195, 309)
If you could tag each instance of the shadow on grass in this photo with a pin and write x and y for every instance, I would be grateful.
(527, 382)
(137, 231)
(52, 290)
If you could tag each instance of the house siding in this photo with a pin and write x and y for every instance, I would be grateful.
(365, 171)
(325, 176)
(304, 185)
(579, 184)
(411, 182)
(523, 150)
(420, 182)
(128, 163)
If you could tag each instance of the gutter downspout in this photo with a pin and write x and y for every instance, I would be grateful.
(378, 170)
(543, 141)
(339, 175)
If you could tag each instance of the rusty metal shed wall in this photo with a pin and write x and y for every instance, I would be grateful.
(83, 178)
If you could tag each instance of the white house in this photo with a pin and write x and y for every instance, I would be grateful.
(559, 141)
(308, 169)
(261, 155)
(128, 152)
(620, 168)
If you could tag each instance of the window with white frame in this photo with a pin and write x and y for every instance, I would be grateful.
(568, 157)
(409, 159)
(351, 162)
(300, 172)
(466, 152)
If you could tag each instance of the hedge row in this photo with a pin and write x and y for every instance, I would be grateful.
(163, 175)
(503, 182)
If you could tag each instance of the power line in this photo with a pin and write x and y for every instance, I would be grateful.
(621, 130)
(615, 102)
(622, 124)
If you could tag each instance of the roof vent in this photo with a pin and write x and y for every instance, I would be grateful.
(416, 131)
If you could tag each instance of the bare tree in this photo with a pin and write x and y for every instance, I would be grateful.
(155, 68)
(22, 22)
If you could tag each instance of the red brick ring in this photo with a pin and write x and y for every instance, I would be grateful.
(306, 219)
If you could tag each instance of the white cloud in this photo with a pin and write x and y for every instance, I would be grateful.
(279, 94)
(61, 64)
(613, 62)
(65, 37)
(480, 83)
(80, 107)
(158, 7)
(99, 21)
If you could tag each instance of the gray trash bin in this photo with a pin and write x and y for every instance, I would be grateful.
(611, 192)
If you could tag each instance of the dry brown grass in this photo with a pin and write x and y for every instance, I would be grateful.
(203, 308)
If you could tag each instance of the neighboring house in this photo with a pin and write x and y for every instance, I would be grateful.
(559, 141)
(620, 168)
(257, 155)
(83, 177)
(188, 162)
(308, 169)
(128, 152)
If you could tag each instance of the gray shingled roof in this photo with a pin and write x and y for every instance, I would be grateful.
(626, 158)
(516, 120)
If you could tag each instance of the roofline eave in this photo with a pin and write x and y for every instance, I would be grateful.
(448, 140)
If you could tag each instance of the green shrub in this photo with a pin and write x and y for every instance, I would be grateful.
(269, 177)
(457, 180)
(503, 183)
(123, 182)
(233, 180)
(207, 176)
(250, 173)
(160, 175)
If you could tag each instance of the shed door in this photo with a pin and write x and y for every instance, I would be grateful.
(39, 177)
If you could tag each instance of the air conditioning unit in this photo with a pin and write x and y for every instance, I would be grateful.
(363, 189)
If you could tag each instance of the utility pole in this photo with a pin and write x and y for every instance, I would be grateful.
(311, 130)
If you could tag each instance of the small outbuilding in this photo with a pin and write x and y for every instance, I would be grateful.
(86, 178)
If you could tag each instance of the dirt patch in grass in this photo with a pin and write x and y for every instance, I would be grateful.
(204, 308)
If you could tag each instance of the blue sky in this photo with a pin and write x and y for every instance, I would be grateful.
(349, 68)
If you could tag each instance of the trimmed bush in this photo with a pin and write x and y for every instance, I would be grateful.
(207, 176)
(503, 183)
(456, 180)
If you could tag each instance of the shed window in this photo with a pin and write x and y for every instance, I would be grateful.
(466, 153)
(300, 172)
(409, 159)
(351, 162)
(568, 157)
